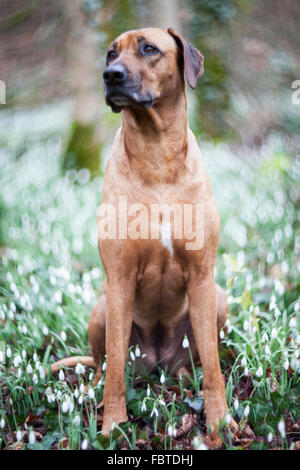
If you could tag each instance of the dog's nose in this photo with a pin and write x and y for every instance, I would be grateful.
(114, 74)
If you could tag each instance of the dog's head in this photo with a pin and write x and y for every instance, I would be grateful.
(147, 65)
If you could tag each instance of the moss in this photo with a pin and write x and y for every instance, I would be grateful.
(83, 149)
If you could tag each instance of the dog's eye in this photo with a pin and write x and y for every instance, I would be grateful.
(111, 55)
(148, 49)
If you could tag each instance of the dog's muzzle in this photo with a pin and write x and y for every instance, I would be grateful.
(121, 91)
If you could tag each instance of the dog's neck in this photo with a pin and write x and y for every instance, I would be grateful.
(155, 140)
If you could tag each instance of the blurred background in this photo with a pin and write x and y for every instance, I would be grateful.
(55, 126)
(55, 52)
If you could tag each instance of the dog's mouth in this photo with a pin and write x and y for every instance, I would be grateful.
(119, 99)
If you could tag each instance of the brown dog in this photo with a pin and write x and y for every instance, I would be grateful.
(157, 290)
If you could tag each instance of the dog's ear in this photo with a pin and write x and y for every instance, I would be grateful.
(193, 60)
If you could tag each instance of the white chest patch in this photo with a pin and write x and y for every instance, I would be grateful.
(166, 237)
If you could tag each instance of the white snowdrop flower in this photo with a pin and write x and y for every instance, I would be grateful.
(274, 333)
(10, 315)
(246, 371)
(1, 356)
(297, 307)
(25, 330)
(52, 280)
(35, 379)
(71, 407)
(2, 423)
(137, 352)
(277, 312)
(293, 322)
(198, 443)
(265, 338)
(281, 428)
(170, 430)
(24, 354)
(285, 354)
(162, 402)
(91, 393)
(17, 360)
(143, 407)
(8, 352)
(154, 412)
(29, 369)
(63, 336)
(81, 388)
(31, 437)
(80, 400)
(279, 287)
(45, 331)
(246, 325)
(71, 288)
(61, 375)
(35, 357)
(104, 366)
(144, 355)
(76, 393)
(228, 419)
(19, 435)
(91, 376)
(65, 406)
(222, 334)
(270, 437)
(57, 297)
(246, 411)
(132, 356)
(259, 372)
(9, 277)
(162, 378)
(236, 404)
(76, 420)
(185, 342)
(174, 431)
(148, 391)
(60, 311)
(79, 369)
(2, 315)
(19, 373)
(286, 364)
(42, 372)
(84, 444)
(244, 362)
(229, 329)
(267, 350)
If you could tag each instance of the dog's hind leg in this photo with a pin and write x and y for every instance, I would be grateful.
(96, 334)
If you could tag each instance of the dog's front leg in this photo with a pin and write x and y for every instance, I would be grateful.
(120, 296)
(203, 316)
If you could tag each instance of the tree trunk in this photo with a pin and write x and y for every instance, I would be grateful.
(83, 149)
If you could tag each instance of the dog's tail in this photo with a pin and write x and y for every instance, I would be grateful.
(72, 362)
